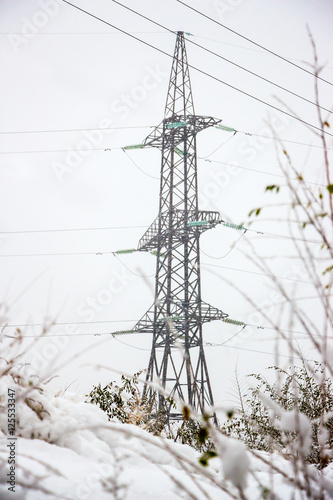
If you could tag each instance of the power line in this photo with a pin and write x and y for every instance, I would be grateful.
(147, 126)
(232, 247)
(99, 322)
(286, 339)
(61, 254)
(201, 71)
(284, 236)
(280, 329)
(256, 273)
(230, 338)
(247, 48)
(89, 33)
(54, 254)
(137, 166)
(264, 233)
(129, 227)
(22, 325)
(67, 254)
(261, 171)
(253, 42)
(126, 332)
(207, 344)
(133, 272)
(199, 158)
(74, 130)
(72, 229)
(129, 332)
(227, 60)
(283, 140)
(46, 324)
(130, 345)
(252, 350)
(38, 151)
(203, 263)
(105, 149)
(63, 335)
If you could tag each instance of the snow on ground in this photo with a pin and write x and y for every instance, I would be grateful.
(67, 449)
(77, 476)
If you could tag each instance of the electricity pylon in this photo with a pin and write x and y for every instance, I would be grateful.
(177, 360)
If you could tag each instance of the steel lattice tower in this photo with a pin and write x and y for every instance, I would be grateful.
(178, 312)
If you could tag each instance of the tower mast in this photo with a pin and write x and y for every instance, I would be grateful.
(177, 360)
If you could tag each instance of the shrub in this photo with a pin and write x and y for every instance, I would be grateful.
(305, 392)
(124, 403)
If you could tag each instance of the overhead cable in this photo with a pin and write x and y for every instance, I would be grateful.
(253, 73)
(201, 71)
(254, 43)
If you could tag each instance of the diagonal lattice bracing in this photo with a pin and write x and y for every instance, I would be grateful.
(178, 312)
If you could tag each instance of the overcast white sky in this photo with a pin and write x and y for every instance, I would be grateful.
(64, 70)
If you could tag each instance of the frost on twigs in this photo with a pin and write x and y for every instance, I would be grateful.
(300, 425)
(235, 460)
(292, 416)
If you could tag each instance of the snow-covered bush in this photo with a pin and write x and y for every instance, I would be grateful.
(298, 395)
(41, 413)
(124, 403)
(121, 402)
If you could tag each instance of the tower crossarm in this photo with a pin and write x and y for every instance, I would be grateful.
(146, 323)
(184, 224)
(174, 324)
(174, 130)
(199, 312)
(210, 313)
